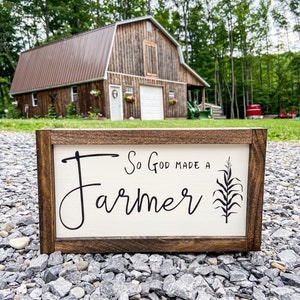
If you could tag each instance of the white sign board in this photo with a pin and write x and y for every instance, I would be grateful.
(150, 190)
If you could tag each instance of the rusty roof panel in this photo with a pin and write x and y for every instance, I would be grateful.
(80, 58)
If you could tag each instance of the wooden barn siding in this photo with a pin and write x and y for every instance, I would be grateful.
(178, 110)
(127, 55)
(168, 59)
(41, 109)
(22, 101)
(128, 58)
(86, 102)
(189, 78)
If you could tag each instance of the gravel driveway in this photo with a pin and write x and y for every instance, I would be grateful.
(272, 273)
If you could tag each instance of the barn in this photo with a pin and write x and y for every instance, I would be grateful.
(129, 69)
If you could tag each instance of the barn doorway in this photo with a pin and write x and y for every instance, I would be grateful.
(151, 102)
(116, 104)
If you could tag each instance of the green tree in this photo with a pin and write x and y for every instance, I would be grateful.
(117, 10)
(9, 50)
(226, 41)
(78, 15)
(163, 14)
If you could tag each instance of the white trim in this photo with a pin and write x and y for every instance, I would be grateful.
(58, 86)
(110, 52)
(34, 100)
(148, 78)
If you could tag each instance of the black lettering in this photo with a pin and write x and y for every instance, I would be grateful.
(178, 165)
(185, 194)
(152, 166)
(132, 164)
(150, 203)
(167, 202)
(81, 205)
(78, 158)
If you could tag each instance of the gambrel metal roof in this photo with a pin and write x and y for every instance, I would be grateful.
(78, 59)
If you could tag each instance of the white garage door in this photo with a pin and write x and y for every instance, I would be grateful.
(151, 103)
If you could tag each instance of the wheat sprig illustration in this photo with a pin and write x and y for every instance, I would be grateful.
(229, 192)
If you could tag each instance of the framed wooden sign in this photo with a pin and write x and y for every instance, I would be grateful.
(150, 190)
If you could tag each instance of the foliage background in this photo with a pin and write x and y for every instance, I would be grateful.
(248, 50)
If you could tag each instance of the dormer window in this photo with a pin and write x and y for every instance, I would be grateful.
(149, 26)
(150, 59)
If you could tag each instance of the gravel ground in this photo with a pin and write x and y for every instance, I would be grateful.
(272, 273)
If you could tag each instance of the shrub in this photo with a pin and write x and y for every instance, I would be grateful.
(13, 113)
(71, 111)
(51, 112)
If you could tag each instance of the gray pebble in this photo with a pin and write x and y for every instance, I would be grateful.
(60, 287)
(78, 292)
(55, 258)
(39, 263)
(291, 279)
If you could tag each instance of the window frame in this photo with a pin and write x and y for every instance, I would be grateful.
(128, 90)
(34, 99)
(150, 59)
(74, 95)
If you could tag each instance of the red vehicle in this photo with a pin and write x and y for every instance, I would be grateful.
(291, 114)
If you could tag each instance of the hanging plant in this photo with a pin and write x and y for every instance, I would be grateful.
(172, 101)
(130, 99)
(95, 92)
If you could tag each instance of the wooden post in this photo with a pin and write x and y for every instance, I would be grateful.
(203, 99)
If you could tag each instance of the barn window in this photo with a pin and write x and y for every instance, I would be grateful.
(129, 90)
(171, 95)
(74, 94)
(150, 59)
(149, 26)
(34, 99)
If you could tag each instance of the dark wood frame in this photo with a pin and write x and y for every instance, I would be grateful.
(46, 139)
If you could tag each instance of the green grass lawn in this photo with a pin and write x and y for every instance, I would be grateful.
(278, 129)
